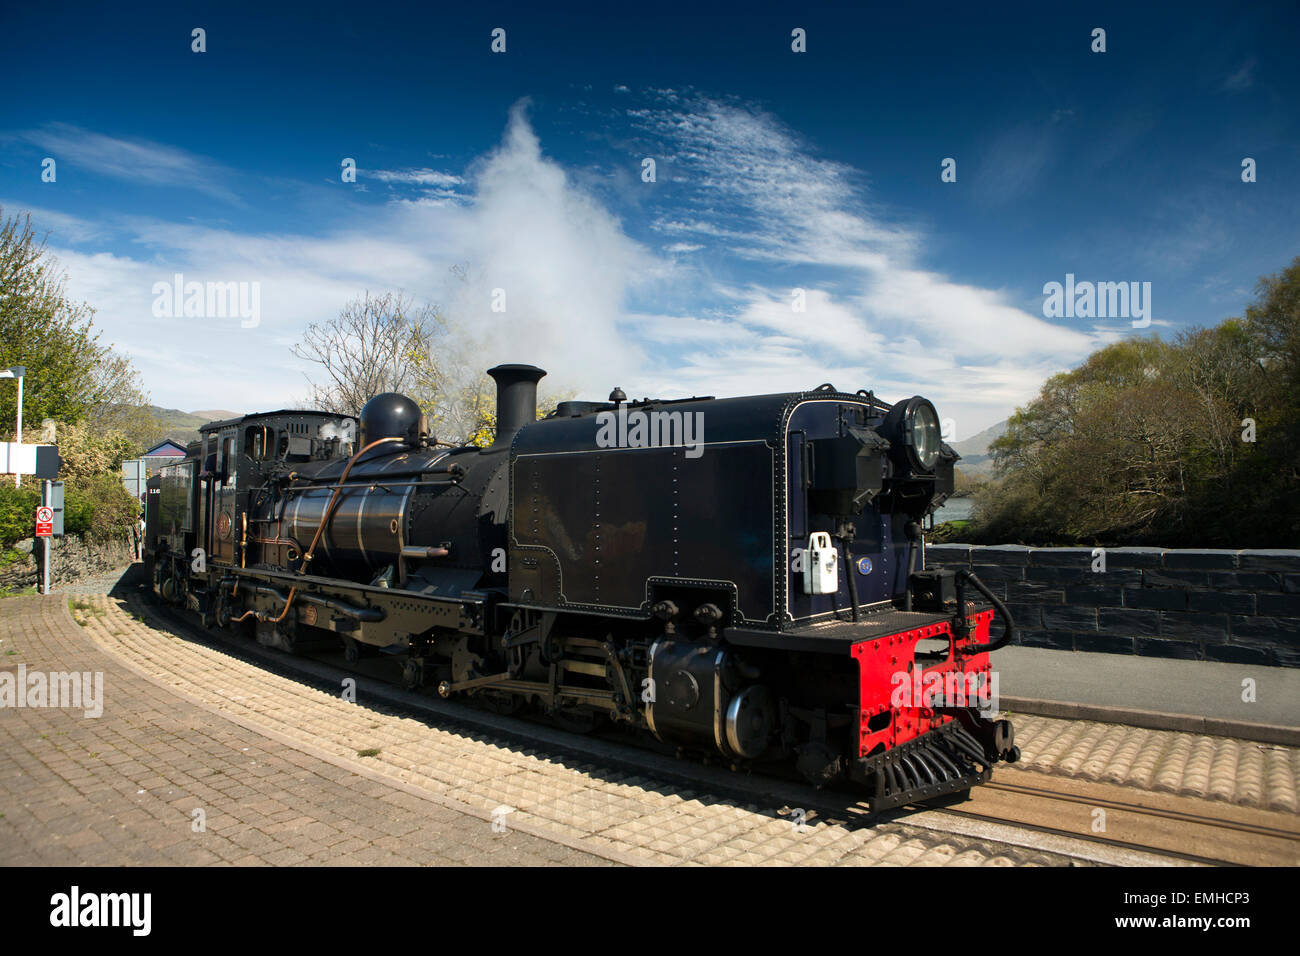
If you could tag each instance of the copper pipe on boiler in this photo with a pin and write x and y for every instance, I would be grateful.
(415, 552)
(325, 517)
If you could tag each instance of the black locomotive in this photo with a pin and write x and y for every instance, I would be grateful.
(737, 576)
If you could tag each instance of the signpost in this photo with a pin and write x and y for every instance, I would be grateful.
(49, 522)
(135, 478)
(17, 459)
(56, 502)
(45, 531)
(42, 461)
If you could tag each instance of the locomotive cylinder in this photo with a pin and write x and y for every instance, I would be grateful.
(699, 699)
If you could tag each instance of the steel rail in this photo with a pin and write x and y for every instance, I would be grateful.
(1178, 816)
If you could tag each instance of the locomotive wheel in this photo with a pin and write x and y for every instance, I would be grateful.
(275, 635)
(221, 613)
(503, 704)
(413, 674)
(577, 720)
(351, 650)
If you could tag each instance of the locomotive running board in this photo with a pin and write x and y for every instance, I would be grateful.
(944, 761)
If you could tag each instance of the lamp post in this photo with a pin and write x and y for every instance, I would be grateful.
(17, 372)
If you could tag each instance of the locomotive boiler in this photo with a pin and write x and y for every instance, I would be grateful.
(739, 577)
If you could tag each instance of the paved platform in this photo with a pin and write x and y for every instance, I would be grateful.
(122, 788)
(1191, 696)
(288, 772)
(325, 780)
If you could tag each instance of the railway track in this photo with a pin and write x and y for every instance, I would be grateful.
(1072, 820)
(1186, 829)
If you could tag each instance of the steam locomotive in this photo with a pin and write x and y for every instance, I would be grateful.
(740, 577)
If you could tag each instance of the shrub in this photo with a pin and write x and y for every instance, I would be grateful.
(88, 450)
(101, 508)
(98, 507)
(18, 510)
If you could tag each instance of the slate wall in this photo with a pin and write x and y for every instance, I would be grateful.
(1234, 606)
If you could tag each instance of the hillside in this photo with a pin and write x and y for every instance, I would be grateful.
(974, 451)
(183, 427)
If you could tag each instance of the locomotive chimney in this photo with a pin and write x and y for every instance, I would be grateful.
(516, 399)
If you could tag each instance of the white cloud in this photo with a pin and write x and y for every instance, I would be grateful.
(56, 227)
(876, 318)
(1243, 78)
(591, 304)
(419, 177)
(135, 160)
(1014, 162)
(562, 260)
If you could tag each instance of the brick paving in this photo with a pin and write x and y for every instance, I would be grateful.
(179, 715)
(122, 788)
(1242, 772)
(628, 815)
(291, 774)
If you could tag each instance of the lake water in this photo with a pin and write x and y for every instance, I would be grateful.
(954, 509)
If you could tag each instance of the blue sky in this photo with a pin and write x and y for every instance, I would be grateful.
(775, 170)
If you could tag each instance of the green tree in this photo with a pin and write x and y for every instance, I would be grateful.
(1147, 441)
(92, 393)
(1267, 472)
(71, 375)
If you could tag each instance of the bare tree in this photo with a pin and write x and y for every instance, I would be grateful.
(119, 401)
(376, 344)
(385, 343)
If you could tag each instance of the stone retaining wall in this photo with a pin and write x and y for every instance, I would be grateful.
(1234, 606)
(73, 558)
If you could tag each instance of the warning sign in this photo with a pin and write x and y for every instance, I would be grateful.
(44, 522)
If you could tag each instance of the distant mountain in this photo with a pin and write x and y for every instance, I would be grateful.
(214, 415)
(974, 451)
(183, 427)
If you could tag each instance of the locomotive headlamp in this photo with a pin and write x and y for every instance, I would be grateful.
(922, 425)
(913, 425)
